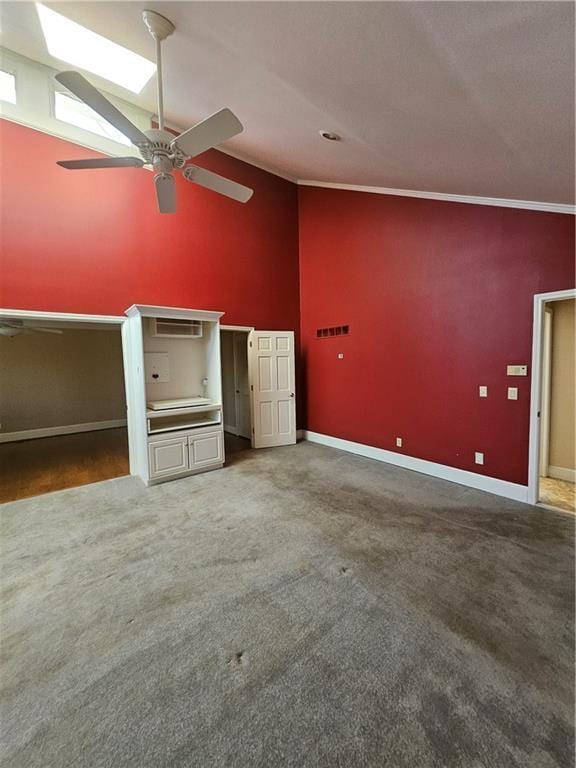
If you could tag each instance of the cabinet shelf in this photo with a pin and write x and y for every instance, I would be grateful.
(182, 411)
(185, 418)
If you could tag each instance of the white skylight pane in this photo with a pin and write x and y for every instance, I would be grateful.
(74, 112)
(7, 87)
(73, 43)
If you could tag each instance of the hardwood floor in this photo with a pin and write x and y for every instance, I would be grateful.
(234, 444)
(32, 467)
(558, 493)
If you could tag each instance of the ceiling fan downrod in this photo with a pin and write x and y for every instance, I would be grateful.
(160, 28)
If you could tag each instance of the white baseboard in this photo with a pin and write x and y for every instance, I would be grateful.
(442, 471)
(230, 430)
(299, 435)
(562, 473)
(70, 429)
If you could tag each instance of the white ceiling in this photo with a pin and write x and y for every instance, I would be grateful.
(465, 98)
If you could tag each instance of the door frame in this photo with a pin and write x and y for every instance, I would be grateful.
(540, 301)
(247, 329)
(72, 317)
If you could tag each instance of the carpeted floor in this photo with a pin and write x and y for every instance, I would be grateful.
(302, 607)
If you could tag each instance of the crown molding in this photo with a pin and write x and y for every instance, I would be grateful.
(500, 202)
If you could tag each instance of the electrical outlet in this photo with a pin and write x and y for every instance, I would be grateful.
(340, 355)
(398, 442)
(512, 393)
(478, 458)
(483, 391)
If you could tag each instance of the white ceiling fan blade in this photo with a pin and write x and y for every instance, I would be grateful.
(209, 133)
(218, 183)
(101, 162)
(165, 192)
(85, 91)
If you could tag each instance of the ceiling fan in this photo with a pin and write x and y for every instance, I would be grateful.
(158, 147)
(17, 327)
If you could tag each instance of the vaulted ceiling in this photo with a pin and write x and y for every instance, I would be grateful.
(469, 98)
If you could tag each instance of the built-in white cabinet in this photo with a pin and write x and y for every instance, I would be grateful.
(175, 391)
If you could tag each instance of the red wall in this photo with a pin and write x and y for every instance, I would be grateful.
(93, 241)
(438, 297)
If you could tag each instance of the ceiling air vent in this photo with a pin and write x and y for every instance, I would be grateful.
(337, 330)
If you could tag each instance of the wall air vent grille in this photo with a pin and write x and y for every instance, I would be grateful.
(337, 330)
(176, 328)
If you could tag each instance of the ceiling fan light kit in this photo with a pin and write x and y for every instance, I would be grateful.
(158, 147)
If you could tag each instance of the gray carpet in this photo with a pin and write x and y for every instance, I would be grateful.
(302, 607)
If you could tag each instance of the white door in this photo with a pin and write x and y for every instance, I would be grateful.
(272, 384)
(242, 385)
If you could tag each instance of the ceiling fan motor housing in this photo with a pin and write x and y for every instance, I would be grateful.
(160, 146)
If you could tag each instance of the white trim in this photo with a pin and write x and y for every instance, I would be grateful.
(151, 310)
(442, 471)
(500, 202)
(540, 300)
(237, 328)
(300, 435)
(562, 473)
(70, 429)
(32, 314)
(545, 397)
(230, 430)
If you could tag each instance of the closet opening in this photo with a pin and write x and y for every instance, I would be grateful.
(557, 466)
(236, 401)
(552, 402)
(62, 404)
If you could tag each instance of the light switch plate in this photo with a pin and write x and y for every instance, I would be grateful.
(478, 458)
(512, 393)
(483, 391)
(517, 370)
(340, 355)
(398, 442)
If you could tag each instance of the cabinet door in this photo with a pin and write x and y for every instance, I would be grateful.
(206, 450)
(168, 457)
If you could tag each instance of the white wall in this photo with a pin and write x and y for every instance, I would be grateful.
(50, 380)
(188, 363)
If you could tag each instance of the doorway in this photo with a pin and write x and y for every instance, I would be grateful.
(553, 417)
(236, 404)
(63, 418)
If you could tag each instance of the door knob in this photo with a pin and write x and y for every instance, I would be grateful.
(291, 394)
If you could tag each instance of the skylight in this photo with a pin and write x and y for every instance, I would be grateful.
(76, 45)
(7, 87)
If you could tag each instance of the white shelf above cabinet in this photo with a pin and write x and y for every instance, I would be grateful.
(183, 411)
(183, 419)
